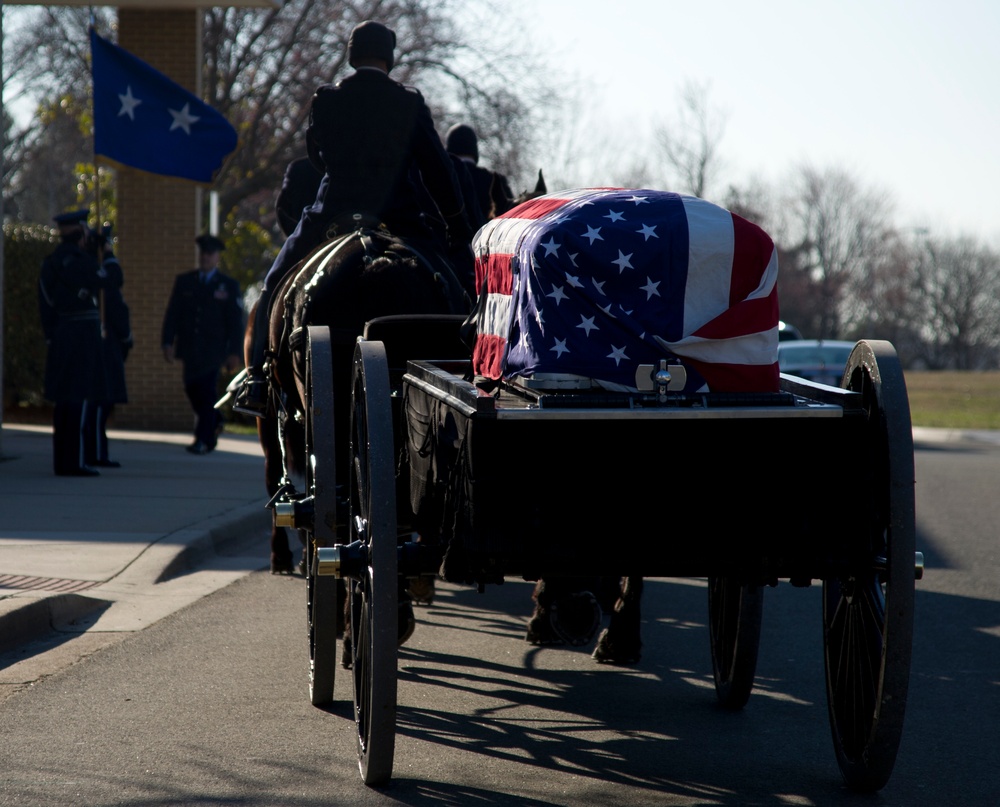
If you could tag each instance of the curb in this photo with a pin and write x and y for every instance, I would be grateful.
(27, 617)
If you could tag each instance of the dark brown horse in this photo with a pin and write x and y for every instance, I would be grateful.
(342, 284)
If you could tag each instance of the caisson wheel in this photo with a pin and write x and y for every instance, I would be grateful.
(868, 610)
(734, 613)
(321, 591)
(373, 594)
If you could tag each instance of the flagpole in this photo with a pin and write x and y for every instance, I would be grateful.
(100, 243)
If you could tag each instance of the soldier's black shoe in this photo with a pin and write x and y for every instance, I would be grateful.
(197, 447)
(107, 464)
(83, 470)
(251, 397)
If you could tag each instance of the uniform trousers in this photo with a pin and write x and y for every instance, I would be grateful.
(202, 392)
(95, 432)
(67, 436)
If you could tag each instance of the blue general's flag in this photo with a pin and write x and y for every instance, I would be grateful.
(145, 120)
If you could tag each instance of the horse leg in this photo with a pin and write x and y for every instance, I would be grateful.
(566, 612)
(620, 642)
(281, 554)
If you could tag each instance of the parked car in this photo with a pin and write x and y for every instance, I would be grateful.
(820, 360)
(786, 331)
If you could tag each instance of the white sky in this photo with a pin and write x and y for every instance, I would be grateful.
(903, 95)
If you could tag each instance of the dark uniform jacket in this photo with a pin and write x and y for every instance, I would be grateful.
(68, 289)
(299, 187)
(117, 331)
(369, 132)
(204, 321)
(492, 190)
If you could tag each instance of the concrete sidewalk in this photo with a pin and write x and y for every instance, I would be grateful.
(122, 550)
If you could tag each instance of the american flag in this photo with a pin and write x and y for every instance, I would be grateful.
(595, 282)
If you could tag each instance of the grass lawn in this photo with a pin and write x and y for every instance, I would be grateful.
(956, 400)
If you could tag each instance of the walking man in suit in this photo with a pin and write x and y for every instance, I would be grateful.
(203, 327)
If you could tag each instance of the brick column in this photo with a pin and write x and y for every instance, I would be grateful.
(158, 220)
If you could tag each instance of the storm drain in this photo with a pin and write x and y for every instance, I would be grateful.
(20, 582)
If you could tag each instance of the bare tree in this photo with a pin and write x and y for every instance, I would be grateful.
(263, 66)
(690, 141)
(959, 283)
(841, 230)
(885, 303)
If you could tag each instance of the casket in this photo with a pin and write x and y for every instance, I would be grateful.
(590, 285)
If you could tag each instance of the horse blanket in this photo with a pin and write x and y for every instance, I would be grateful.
(597, 281)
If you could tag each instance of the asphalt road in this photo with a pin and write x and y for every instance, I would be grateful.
(209, 706)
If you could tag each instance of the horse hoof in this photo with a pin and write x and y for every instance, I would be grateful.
(281, 564)
(540, 630)
(346, 657)
(610, 652)
(407, 623)
(422, 589)
(576, 618)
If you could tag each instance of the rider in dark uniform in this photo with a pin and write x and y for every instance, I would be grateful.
(374, 140)
(203, 327)
(70, 282)
(492, 189)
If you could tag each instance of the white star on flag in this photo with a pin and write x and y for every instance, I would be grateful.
(183, 119)
(574, 281)
(587, 323)
(614, 215)
(129, 103)
(560, 347)
(557, 294)
(623, 261)
(651, 288)
(593, 234)
(551, 247)
(648, 232)
(617, 353)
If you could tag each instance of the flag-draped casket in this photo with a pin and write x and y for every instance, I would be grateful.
(593, 283)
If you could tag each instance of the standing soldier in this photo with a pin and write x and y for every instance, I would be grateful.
(117, 333)
(71, 279)
(203, 327)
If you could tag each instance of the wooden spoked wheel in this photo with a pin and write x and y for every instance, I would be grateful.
(734, 614)
(373, 594)
(868, 610)
(321, 591)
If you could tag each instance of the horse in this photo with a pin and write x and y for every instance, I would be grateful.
(567, 611)
(368, 273)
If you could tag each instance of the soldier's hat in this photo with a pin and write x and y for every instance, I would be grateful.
(371, 40)
(209, 243)
(461, 139)
(72, 217)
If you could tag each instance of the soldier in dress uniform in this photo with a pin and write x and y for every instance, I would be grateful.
(203, 327)
(376, 143)
(492, 188)
(70, 282)
(117, 342)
